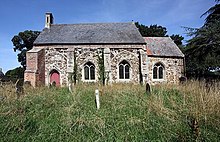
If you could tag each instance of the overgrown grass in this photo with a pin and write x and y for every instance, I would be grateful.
(127, 113)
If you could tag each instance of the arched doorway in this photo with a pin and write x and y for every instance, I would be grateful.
(55, 78)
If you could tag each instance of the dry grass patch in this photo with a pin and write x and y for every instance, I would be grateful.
(127, 113)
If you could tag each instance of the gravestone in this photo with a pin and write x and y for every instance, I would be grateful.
(71, 87)
(148, 91)
(97, 99)
(182, 79)
(19, 88)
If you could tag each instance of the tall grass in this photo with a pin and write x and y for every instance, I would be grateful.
(127, 113)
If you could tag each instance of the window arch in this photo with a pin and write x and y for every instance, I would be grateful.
(124, 70)
(158, 71)
(89, 71)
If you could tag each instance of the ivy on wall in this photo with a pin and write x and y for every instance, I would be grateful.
(74, 68)
(101, 66)
(73, 76)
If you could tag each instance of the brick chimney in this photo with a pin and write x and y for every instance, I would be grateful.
(48, 20)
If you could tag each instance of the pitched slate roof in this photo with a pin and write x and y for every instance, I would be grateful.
(93, 33)
(162, 46)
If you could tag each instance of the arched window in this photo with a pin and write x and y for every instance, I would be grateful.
(124, 70)
(89, 71)
(158, 71)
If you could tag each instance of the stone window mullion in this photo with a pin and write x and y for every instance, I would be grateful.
(124, 70)
(89, 71)
(158, 71)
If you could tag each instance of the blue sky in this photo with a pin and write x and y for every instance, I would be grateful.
(20, 15)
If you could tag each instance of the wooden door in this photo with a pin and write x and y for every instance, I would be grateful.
(55, 78)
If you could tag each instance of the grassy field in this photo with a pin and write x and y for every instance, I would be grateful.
(187, 112)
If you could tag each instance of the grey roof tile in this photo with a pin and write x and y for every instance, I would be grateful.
(162, 46)
(93, 33)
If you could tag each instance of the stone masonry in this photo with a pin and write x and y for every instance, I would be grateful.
(42, 60)
(173, 69)
(128, 57)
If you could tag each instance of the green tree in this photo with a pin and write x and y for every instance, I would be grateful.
(152, 30)
(203, 50)
(177, 39)
(158, 31)
(24, 42)
(212, 13)
(14, 74)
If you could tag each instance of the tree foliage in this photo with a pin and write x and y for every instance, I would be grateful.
(212, 13)
(14, 74)
(203, 50)
(24, 42)
(152, 30)
(177, 39)
(159, 31)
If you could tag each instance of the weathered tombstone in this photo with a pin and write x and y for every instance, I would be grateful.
(182, 79)
(148, 88)
(70, 87)
(53, 84)
(19, 88)
(97, 98)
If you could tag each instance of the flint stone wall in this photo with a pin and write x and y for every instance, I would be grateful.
(173, 69)
(35, 70)
(41, 60)
(61, 58)
(56, 59)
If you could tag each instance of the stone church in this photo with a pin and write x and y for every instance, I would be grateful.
(65, 49)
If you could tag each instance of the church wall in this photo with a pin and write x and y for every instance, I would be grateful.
(174, 69)
(129, 55)
(113, 55)
(29, 76)
(56, 59)
(82, 57)
(60, 58)
(35, 70)
(41, 68)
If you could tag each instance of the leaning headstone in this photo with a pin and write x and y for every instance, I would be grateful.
(148, 88)
(70, 87)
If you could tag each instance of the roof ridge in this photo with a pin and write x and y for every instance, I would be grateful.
(82, 33)
(93, 23)
(156, 37)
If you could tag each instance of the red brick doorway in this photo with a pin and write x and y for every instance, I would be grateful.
(55, 78)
